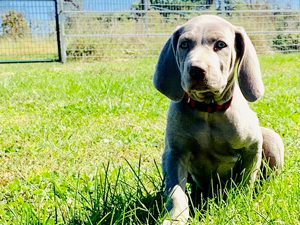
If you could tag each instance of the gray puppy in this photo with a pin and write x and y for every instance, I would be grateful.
(209, 69)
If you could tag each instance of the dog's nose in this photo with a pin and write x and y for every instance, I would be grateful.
(197, 73)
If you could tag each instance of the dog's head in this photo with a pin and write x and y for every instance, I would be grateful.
(200, 59)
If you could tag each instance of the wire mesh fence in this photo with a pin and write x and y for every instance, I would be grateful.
(28, 31)
(139, 28)
(97, 29)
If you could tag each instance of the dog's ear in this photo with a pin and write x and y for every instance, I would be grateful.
(249, 74)
(167, 78)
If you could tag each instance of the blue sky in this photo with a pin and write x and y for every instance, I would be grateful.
(108, 5)
(37, 13)
(123, 5)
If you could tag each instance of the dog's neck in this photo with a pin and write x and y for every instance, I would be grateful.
(204, 107)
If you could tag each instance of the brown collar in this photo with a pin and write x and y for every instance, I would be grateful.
(210, 108)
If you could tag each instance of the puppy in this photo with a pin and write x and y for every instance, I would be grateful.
(210, 70)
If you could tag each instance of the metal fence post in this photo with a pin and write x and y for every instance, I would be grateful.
(146, 8)
(61, 20)
(222, 6)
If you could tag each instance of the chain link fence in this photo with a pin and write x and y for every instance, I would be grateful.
(124, 28)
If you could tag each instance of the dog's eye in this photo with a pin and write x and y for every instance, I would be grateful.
(220, 45)
(184, 45)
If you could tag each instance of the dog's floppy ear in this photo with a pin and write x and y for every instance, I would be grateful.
(167, 78)
(249, 74)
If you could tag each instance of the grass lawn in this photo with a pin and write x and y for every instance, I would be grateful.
(81, 143)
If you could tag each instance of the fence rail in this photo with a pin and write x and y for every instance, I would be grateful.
(97, 29)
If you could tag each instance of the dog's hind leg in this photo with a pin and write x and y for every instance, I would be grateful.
(273, 149)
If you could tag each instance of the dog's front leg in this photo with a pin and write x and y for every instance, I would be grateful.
(175, 172)
(251, 162)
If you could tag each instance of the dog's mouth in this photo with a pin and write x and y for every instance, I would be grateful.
(207, 96)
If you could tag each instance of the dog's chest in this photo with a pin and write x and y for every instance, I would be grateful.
(214, 147)
(212, 159)
(213, 142)
(218, 134)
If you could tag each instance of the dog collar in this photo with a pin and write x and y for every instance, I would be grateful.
(210, 108)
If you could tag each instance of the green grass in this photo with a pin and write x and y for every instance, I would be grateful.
(81, 143)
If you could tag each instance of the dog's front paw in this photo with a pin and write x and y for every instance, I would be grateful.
(174, 222)
(167, 222)
(179, 213)
(177, 217)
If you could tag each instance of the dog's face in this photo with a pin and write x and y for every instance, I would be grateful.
(206, 56)
(200, 58)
